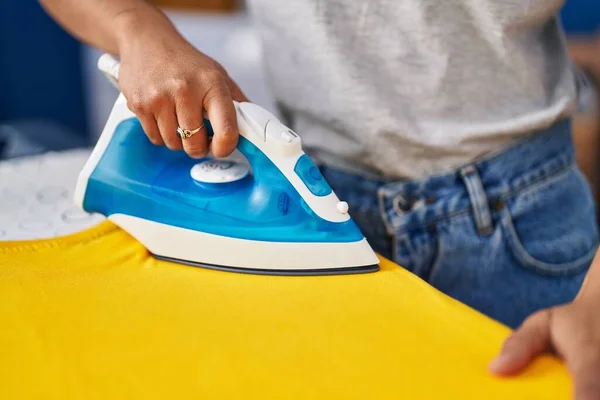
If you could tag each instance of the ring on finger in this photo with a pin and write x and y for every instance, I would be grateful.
(188, 133)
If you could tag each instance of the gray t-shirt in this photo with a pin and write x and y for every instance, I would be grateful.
(407, 88)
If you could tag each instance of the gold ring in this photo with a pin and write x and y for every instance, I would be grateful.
(187, 133)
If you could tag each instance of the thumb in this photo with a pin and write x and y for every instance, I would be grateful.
(531, 339)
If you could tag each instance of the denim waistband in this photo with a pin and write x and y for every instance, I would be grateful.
(476, 185)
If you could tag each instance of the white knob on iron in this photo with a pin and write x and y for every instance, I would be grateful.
(343, 207)
(219, 171)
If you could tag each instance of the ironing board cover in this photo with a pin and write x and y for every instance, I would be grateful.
(36, 196)
(92, 315)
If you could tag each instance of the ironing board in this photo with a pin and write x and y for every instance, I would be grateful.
(93, 315)
(58, 314)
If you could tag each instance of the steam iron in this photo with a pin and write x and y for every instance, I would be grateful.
(268, 212)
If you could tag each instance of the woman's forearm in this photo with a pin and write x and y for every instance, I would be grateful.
(105, 24)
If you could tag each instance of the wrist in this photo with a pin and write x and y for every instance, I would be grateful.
(141, 23)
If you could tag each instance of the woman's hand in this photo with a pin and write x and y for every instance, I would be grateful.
(168, 84)
(571, 331)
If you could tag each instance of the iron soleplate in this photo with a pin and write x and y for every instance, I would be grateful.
(277, 272)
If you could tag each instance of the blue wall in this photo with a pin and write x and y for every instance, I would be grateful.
(581, 16)
(40, 68)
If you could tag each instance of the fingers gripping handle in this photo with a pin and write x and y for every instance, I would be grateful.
(110, 66)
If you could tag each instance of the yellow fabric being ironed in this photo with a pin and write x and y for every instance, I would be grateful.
(93, 316)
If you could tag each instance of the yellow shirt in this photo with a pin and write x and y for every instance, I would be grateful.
(94, 316)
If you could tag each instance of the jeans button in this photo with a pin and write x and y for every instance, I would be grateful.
(401, 204)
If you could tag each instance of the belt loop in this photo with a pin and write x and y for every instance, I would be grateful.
(478, 198)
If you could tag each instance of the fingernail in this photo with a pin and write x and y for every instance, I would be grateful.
(498, 364)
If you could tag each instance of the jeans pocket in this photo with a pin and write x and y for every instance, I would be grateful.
(550, 227)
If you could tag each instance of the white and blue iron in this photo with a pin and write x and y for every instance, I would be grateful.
(280, 217)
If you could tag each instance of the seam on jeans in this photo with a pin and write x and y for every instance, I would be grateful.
(540, 182)
(542, 267)
(534, 185)
(537, 185)
(435, 265)
(444, 217)
(450, 215)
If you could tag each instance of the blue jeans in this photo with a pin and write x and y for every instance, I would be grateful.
(508, 235)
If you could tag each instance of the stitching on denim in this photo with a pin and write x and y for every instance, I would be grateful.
(549, 179)
(540, 182)
(530, 262)
(443, 217)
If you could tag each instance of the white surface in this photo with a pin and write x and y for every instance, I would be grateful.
(36, 197)
(282, 139)
(256, 117)
(288, 136)
(169, 241)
